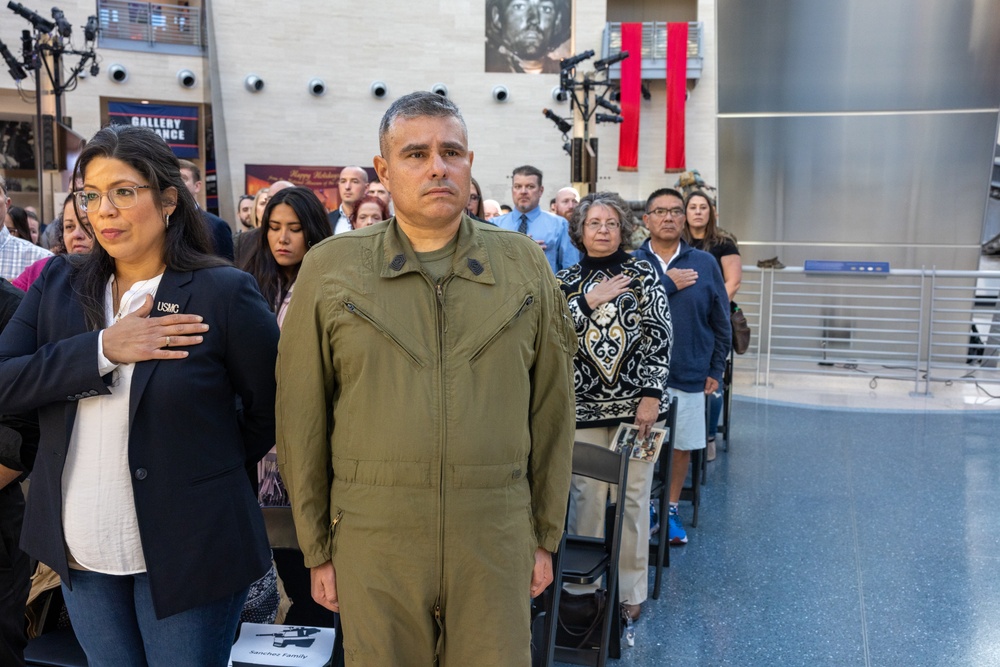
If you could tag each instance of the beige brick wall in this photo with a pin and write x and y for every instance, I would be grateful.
(409, 45)
(411, 48)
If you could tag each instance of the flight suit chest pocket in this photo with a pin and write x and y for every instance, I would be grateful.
(512, 314)
(390, 330)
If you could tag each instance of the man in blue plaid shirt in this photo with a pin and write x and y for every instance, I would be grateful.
(15, 254)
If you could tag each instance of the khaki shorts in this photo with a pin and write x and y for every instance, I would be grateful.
(690, 420)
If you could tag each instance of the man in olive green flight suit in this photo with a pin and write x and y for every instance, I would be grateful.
(425, 414)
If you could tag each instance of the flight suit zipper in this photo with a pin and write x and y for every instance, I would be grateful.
(336, 520)
(528, 300)
(442, 328)
(357, 310)
(333, 524)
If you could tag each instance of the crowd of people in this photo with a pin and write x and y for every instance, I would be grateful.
(409, 372)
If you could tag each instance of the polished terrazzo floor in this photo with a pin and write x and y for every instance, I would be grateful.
(839, 536)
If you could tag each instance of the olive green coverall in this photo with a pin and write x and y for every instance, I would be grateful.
(425, 436)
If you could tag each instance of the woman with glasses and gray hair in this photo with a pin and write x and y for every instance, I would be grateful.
(150, 364)
(622, 320)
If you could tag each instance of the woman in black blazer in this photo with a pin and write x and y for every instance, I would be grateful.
(151, 365)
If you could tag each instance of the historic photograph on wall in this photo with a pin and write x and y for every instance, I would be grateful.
(528, 35)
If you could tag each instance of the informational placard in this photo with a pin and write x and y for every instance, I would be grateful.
(262, 645)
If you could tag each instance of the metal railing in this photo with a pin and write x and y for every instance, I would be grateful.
(654, 49)
(150, 24)
(921, 326)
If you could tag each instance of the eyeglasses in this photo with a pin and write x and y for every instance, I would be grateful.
(124, 196)
(594, 225)
(664, 212)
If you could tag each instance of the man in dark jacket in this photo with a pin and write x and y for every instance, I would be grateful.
(218, 229)
(699, 309)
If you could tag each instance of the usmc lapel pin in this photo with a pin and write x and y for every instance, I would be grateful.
(165, 307)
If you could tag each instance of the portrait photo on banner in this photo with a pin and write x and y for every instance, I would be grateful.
(528, 36)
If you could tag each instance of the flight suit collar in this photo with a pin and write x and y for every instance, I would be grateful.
(471, 261)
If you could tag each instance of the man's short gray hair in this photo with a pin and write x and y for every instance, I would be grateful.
(416, 105)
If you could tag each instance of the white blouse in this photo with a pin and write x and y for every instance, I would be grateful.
(98, 511)
(283, 306)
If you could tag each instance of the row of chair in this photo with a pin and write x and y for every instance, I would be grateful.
(699, 461)
(588, 560)
(579, 560)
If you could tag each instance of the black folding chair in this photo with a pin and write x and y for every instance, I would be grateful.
(587, 560)
(708, 430)
(544, 618)
(725, 426)
(659, 554)
(54, 647)
(693, 493)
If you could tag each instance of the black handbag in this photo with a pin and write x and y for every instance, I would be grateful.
(580, 618)
(741, 331)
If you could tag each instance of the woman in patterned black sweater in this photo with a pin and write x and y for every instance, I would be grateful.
(622, 319)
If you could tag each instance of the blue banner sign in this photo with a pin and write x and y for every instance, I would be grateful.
(178, 125)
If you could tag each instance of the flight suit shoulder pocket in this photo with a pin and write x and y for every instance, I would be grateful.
(563, 322)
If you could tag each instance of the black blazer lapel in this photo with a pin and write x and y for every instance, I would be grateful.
(171, 299)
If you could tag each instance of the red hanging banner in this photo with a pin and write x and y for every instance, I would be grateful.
(631, 89)
(677, 38)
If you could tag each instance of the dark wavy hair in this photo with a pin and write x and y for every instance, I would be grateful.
(261, 263)
(20, 219)
(187, 246)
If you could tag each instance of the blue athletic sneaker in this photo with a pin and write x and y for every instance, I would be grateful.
(677, 534)
(654, 519)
